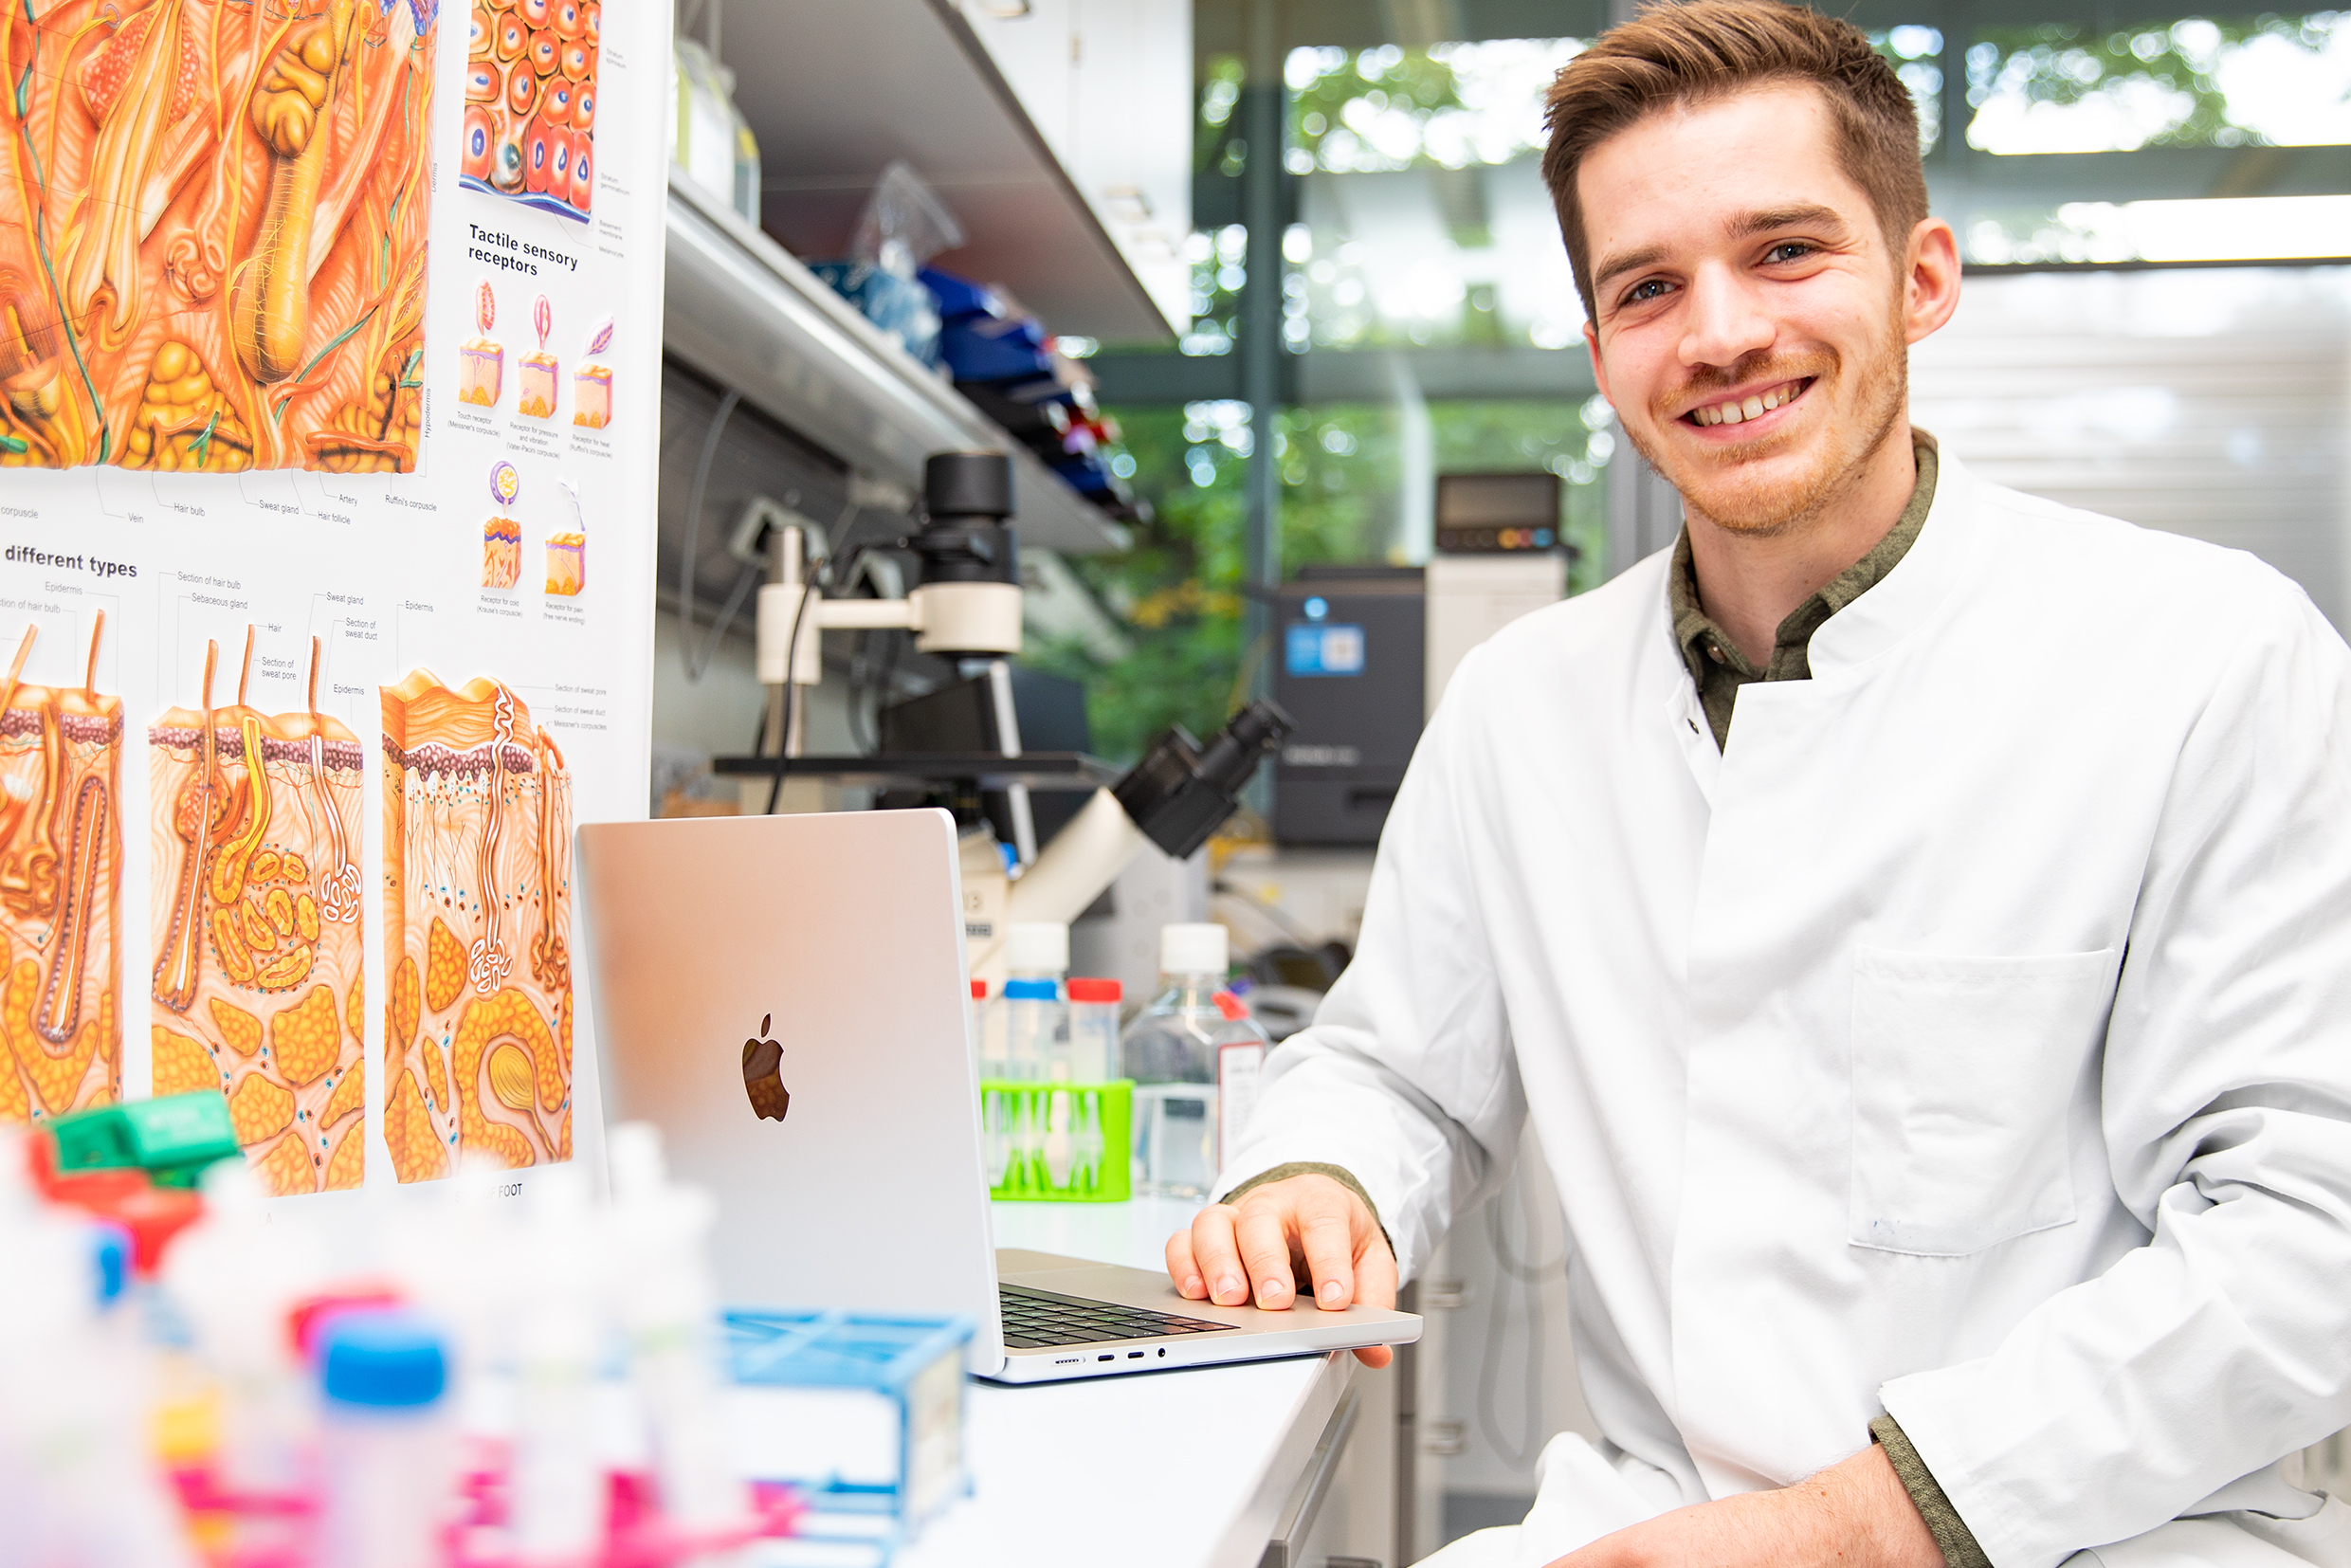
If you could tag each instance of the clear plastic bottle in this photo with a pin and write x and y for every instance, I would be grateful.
(669, 1305)
(1195, 1056)
(386, 1442)
(1094, 1030)
(557, 1484)
(1037, 1019)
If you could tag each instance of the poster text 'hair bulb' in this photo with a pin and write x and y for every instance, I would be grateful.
(476, 905)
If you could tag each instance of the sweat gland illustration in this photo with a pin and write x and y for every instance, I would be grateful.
(60, 893)
(256, 904)
(213, 232)
(476, 930)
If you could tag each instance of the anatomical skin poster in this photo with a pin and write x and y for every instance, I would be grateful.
(327, 473)
(214, 220)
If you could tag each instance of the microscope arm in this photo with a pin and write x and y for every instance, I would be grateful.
(1085, 857)
(1177, 795)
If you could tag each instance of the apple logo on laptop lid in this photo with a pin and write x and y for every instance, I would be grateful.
(763, 1075)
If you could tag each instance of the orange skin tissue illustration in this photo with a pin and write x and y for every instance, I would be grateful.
(213, 226)
(61, 894)
(257, 894)
(478, 914)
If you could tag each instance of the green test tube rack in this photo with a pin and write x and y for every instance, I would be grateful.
(171, 1139)
(1053, 1143)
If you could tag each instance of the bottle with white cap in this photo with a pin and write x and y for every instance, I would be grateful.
(1036, 1015)
(1195, 1056)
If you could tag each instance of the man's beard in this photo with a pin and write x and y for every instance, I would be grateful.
(1718, 490)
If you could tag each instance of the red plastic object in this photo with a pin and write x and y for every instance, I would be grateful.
(979, 991)
(636, 1535)
(154, 1217)
(152, 1214)
(1096, 990)
(309, 1314)
(1231, 1007)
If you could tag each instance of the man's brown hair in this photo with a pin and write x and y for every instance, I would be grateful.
(1700, 49)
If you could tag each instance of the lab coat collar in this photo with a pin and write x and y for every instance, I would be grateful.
(1919, 584)
(1903, 599)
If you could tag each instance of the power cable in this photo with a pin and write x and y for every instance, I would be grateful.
(810, 587)
(694, 538)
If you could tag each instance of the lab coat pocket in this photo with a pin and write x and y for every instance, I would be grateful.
(1963, 1068)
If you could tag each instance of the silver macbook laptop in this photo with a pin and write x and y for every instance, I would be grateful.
(786, 999)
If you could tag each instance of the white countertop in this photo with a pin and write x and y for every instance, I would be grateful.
(1159, 1469)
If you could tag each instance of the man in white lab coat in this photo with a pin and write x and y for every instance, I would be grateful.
(1916, 919)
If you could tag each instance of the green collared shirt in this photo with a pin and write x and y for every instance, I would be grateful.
(1715, 661)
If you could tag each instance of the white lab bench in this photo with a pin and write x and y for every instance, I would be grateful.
(1208, 1468)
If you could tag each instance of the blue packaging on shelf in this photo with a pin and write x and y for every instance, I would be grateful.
(861, 1414)
(1087, 476)
(987, 348)
(899, 306)
(960, 299)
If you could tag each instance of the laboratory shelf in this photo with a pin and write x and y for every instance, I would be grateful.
(834, 92)
(743, 311)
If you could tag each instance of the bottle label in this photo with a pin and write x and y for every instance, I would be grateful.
(1240, 1066)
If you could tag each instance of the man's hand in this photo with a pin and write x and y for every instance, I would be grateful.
(1853, 1515)
(1305, 1225)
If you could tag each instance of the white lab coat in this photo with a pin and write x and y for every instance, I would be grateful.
(1971, 1038)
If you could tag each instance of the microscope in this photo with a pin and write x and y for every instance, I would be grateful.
(965, 606)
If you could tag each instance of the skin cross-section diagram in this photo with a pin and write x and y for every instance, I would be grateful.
(60, 893)
(477, 927)
(212, 230)
(257, 896)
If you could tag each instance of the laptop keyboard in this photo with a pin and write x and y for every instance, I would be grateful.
(1036, 1320)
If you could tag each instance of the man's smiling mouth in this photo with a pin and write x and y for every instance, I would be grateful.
(1754, 406)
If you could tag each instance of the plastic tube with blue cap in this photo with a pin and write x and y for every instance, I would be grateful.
(386, 1444)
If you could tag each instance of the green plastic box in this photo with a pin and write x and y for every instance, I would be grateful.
(171, 1139)
(1057, 1143)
